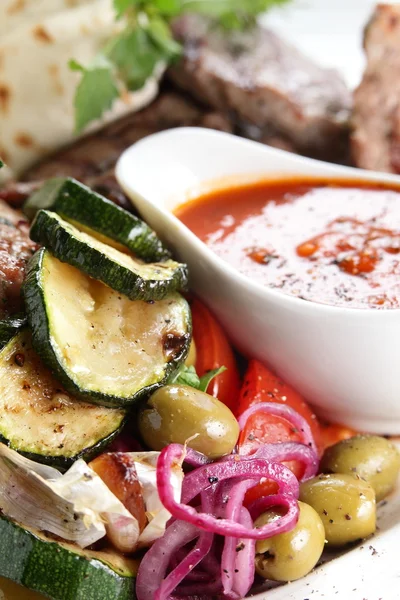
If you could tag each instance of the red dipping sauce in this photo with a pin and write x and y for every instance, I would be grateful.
(332, 242)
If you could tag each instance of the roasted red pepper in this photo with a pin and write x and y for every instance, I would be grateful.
(213, 351)
(262, 385)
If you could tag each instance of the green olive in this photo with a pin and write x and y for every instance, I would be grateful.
(346, 505)
(179, 413)
(373, 458)
(289, 556)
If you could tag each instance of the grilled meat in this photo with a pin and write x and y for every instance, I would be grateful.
(262, 80)
(94, 156)
(375, 139)
(15, 250)
(91, 160)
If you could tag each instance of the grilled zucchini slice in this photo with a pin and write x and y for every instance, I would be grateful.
(61, 570)
(39, 419)
(9, 327)
(77, 203)
(102, 346)
(120, 271)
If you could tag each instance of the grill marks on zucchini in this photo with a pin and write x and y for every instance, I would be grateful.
(77, 203)
(9, 327)
(122, 272)
(63, 571)
(39, 419)
(102, 346)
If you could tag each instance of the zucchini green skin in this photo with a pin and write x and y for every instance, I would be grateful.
(43, 343)
(49, 451)
(63, 463)
(9, 327)
(65, 244)
(55, 570)
(73, 200)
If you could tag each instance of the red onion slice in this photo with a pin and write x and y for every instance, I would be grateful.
(284, 452)
(243, 573)
(154, 565)
(200, 479)
(196, 459)
(233, 512)
(199, 591)
(281, 410)
(171, 582)
(239, 468)
(287, 451)
(235, 572)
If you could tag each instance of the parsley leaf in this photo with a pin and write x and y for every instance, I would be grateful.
(121, 6)
(95, 93)
(160, 33)
(188, 376)
(207, 378)
(132, 56)
(135, 56)
(168, 8)
(219, 8)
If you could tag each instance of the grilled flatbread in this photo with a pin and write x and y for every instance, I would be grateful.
(37, 39)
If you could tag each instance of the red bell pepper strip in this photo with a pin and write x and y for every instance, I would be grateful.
(213, 351)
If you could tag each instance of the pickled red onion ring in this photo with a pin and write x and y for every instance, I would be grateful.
(203, 477)
(281, 410)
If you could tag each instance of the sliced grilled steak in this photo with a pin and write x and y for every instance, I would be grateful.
(94, 156)
(92, 159)
(14, 193)
(15, 250)
(375, 139)
(267, 82)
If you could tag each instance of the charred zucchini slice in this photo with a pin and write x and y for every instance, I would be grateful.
(120, 271)
(102, 346)
(75, 202)
(39, 419)
(61, 570)
(9, 327)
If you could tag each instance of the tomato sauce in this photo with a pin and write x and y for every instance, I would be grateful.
(332, 242)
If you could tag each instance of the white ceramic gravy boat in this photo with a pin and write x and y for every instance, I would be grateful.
(345, 361)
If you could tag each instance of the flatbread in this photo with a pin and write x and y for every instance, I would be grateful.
(18, 12)
(37, 39)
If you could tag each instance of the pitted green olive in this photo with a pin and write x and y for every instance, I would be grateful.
(346, 505)
(289, 556)
(177, 413)
(373, 458)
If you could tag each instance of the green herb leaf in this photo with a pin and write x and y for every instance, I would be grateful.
(207, 378)
(121, 6)
(232, 14)
(168, 8)
(160, 33)
(135, 56)
(95, 93)
(131, 57)
(188, 376)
